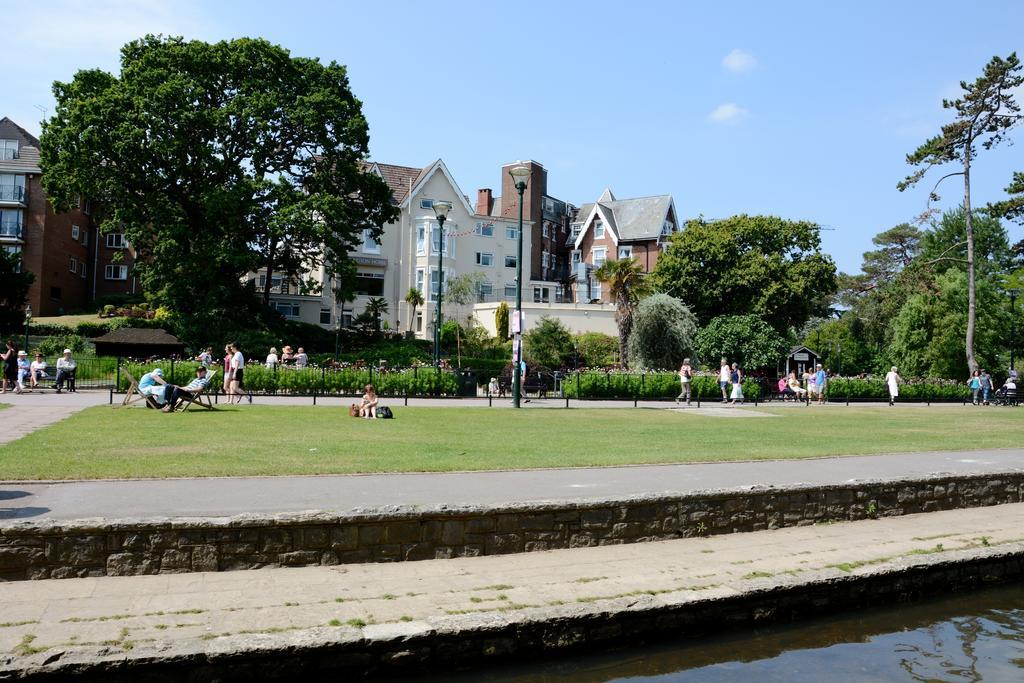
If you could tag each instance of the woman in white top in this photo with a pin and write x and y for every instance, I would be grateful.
(893, 380)
(237, 373)
(272, 358)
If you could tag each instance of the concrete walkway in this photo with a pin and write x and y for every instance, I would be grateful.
(222, 497)
(172, 615)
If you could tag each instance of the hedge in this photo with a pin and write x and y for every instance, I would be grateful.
(875, 388)
(423, 381)
(651, 385)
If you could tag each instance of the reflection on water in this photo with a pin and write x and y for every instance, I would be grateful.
(975, 636)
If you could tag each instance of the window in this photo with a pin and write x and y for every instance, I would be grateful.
(511, 233)
(419, 280)
(87, 207)
(8, 149)
(577, 257)
(541, 295)
(484, 290)
(370, 245)
(12, 187)
(576, 227)
(14, 249)
(545, 259)
(510, 291)
(73, 264)
(625, 252)
(346, 320)
(288, 310)
(426, 203)
(484, 259)
(278, 284)
(667, 228)
(75, 232)
(115, 240)
(484, 229)
(433, 282)
(546, 231)
(419, 321)
(85, 238)
(598, 256)
(10, 222)
(325, 316)
(435, 239)
(421, 240)
(115, 272)
(510, 261)
(370, 284)
(81, 269)
(595, 290)
(598, 229)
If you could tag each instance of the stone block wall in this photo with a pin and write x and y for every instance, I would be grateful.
(54, 549)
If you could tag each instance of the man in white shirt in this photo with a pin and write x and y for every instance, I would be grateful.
(66, 367)
(301, 359)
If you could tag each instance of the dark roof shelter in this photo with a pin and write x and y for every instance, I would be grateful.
(130, 342)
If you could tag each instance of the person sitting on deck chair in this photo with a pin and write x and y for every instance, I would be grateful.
(151, 385)
(174, 393)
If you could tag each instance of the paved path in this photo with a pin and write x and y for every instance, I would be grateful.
(214, 497)
(143, 616)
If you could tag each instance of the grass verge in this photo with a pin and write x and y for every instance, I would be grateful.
(104, 442)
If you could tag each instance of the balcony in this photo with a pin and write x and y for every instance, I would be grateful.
(12, 193)
(10, 229)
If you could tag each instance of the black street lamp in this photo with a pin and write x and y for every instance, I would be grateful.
(441, 209)
(28, 319)
(521, 177)
(1013, 293)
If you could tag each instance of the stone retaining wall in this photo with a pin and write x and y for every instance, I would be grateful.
(53, 549)
(443, 645)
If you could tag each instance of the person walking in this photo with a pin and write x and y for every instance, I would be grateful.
(986, 386)
(205, 358)
(736, 377)
(685, 375)
(226, 362)
(820, 378)
(893, 381)
(10, 358)
(974, 384)
(237, 374)
(724, 374)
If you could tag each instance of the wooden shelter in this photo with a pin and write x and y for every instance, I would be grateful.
(129, 342)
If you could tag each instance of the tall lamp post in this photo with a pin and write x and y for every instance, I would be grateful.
(441, 209)
(521, 177)
(1014, 293)
(28, 319)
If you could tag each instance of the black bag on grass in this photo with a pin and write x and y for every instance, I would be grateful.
(385, 413)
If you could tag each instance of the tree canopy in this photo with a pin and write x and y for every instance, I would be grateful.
(744, 339)
(663, 333)
(217, 160)
(764, 265)
(14, 284)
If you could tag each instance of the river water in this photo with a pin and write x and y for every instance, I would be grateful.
(975, 636)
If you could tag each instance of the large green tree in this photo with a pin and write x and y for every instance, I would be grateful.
(745, 339)
(663, 333)
(216, 160)
(549, 344)
(762, 265)
(982, 117)
(626, 284)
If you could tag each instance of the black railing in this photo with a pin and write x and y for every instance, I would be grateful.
(12, 193)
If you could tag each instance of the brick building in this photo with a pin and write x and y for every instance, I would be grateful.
(72, 267)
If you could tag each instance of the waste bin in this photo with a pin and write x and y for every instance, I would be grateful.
(467, 382)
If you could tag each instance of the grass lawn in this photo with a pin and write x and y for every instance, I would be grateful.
(104, 442)
(70, 320)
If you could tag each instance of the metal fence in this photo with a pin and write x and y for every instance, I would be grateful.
(90, 373)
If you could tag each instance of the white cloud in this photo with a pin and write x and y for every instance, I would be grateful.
(728, 113)
(739, 61)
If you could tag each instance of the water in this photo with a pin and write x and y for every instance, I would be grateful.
(977, 636)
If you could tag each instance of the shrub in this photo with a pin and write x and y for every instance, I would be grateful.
(663, 332)
(596, 350)
(92, 329)
(651, 385)
(49, 329)
(55, 345)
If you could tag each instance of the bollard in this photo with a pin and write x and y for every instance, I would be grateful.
(111, 397)
(567, 400)
(407, 396)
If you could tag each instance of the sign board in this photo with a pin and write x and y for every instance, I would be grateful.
(370, 261)
(801, 356)
(518, 322)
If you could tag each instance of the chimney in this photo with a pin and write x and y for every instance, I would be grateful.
(484, 201)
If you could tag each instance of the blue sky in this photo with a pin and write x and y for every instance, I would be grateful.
(806, 112)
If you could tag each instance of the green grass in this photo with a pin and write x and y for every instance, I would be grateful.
(104, 442)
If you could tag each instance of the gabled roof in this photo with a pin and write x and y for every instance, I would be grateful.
(398, 178)
(628, 219)
(137, 336)
(9, 129)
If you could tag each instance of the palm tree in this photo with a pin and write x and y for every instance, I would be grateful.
(414, 298)
(377, 307)
(626, 285)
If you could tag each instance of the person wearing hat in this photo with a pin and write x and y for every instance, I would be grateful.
(66, 367)
(23, 371)
(152, 385)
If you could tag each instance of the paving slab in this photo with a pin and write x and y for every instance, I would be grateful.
(121, 619)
